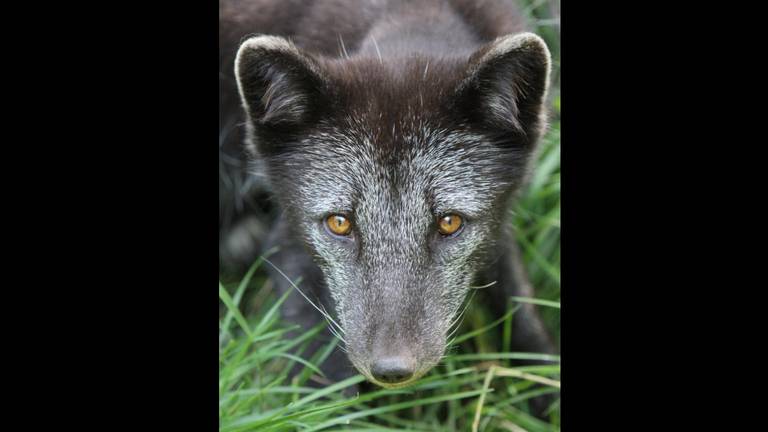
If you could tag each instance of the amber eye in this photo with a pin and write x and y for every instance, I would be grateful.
(338, 224)
(449, 224)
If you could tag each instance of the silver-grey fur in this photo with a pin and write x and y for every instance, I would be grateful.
(418, 116)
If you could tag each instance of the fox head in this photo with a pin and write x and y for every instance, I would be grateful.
(398, 174)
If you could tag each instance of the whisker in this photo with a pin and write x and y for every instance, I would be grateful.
(343, 48)
(338, 327)
(334, 333)
(459, 319)
(484, 286)
(463, 310)
(331, 326)
(325, 314)
(376, 45)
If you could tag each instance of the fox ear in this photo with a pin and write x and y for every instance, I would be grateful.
(506, 85)
(280, 87)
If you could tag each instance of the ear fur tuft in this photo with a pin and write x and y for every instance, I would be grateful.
(506, 84)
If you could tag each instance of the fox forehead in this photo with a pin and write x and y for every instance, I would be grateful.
(430, 171)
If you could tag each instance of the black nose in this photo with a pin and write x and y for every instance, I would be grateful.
(392, 370)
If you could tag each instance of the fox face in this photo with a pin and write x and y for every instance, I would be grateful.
(397, 173)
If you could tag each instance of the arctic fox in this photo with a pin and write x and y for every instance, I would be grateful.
(393, 135)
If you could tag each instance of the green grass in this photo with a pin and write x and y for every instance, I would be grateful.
(256, 392)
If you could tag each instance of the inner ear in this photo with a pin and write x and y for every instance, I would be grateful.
(506, 84)
(280, 87)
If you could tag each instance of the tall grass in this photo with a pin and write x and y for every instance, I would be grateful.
(475, 388)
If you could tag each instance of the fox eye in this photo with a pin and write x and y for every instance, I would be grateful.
(338, 224)
(449, 224)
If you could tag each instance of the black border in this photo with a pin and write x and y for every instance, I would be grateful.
(116, 214)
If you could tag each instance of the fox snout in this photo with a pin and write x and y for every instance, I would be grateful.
(397, 353)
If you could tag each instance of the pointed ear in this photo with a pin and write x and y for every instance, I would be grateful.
(280, 87)
(506, 85)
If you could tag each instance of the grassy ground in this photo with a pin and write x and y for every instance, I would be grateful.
(475, 388)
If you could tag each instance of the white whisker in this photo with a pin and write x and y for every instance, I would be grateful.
(484, 286)
(376, 45)
(463, 310)
(322, 312)
(458, 321)
(343, 48)
(331, 327)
